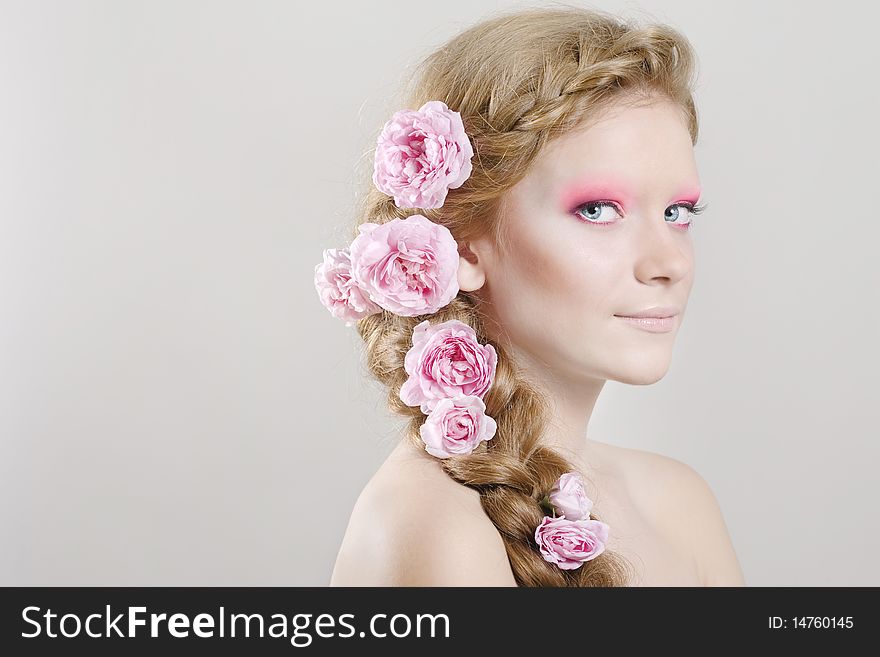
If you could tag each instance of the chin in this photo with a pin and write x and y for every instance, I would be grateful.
(640, 371)
(639, 378)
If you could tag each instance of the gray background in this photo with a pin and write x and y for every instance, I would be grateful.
(176, 407)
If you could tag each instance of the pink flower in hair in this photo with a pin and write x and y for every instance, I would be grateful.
(407, 266)
(569, 543)
(456, 426)
(569, 497)
(338, 292)
(421, 155)
(446, 360)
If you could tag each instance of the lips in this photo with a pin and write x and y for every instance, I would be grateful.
(654, 311)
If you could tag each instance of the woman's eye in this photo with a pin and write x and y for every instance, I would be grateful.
(593, 211)
(674, 213)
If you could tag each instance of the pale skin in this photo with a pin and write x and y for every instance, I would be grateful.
(552, 291)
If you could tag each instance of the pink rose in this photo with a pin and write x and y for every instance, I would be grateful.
(421, 155)
(446, 360)
(569, 497)
(338, 292)
(569, 543)
(408, 266)
(456, 426)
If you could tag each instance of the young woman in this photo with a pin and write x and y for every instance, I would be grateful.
(574, 262)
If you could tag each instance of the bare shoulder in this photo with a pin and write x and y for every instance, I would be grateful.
(413, 525)
(671, 489)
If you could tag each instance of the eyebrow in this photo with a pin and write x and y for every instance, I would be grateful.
(596, 187)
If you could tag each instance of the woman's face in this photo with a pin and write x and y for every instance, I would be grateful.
(569, 268)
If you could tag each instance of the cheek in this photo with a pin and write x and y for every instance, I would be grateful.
(572, 277)
(561, 282)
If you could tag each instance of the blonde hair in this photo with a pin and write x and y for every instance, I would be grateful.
(519, 80)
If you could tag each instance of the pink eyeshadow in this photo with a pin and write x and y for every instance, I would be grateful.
(691, 195)
(595, 188)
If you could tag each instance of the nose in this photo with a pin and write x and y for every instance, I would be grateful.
(662, 251)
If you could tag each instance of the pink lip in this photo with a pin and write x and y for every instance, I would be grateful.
(653, 324)
(657, 312)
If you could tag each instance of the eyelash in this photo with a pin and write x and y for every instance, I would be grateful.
(692, 209)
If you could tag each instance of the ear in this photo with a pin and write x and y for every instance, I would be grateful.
(471, 268)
